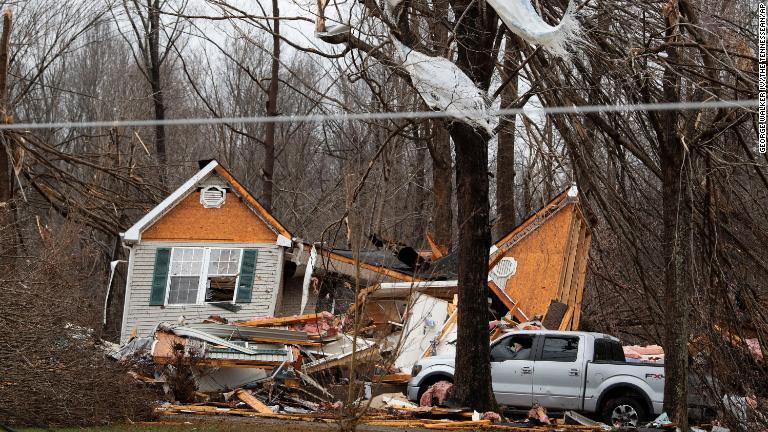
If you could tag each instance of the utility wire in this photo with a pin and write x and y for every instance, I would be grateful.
(449, 113)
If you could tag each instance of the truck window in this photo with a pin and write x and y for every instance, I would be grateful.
(560, 349)
(517, 347)
(607, 350)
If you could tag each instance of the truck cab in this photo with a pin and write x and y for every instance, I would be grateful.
(561, 370)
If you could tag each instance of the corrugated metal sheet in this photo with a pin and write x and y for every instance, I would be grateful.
(250, 333)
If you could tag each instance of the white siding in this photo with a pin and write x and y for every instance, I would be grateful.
(141, 316)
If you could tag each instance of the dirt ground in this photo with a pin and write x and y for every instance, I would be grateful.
(199, 423)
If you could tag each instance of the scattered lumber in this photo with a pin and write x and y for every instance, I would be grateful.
(272, 322)
(252, 402)
(392, 378)
(458, 424)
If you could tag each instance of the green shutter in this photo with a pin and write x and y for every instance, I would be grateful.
(245, 284)
(160, 277)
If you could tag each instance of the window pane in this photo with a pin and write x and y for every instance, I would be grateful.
(224, 262)
(517, 347)
(215, 254)
(186, 261)
(183, 290)
(560, 348)
(617, 352)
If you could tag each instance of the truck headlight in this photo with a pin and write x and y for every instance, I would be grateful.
(416, 370)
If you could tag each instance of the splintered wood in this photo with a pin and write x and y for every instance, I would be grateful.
(371, 420)
(271, 322)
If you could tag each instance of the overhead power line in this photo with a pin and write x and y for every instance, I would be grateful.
(450, 113)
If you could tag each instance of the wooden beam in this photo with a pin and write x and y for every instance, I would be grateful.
(508, 302)
(377, 269)
(252, 402)
(282, 321)
(438, 251)
(566, 319)
(569, 256)
(580, 277)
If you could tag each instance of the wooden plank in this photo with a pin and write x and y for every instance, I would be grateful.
(396, 378)
(370, 353)
(438, 251)
(377, 269)
(568, 255)
(508, 302)
(282, 321)
(566, 319)
(221, 362)
(458, 424)
(581, 276)
(252, 401)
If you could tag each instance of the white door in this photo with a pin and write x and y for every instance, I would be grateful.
(558, 381)
(512, 370)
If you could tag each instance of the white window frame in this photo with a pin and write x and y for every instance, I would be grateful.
(203, 277)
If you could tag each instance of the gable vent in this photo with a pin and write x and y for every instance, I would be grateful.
(212, 196)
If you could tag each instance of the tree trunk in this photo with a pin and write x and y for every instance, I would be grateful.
(676, 247)
(505, 153)
(269, 139)
(473, 367)
(6, 179)
(156, 86)
(440, 146)
(442, 188)
(475, 34)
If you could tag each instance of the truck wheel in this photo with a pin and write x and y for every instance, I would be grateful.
(624, 411)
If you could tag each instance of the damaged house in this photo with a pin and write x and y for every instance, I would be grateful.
(209, 248)
(211, 271)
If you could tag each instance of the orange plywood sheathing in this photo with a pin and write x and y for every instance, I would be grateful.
(252, 201)
(540, 256)
(163, 349)
(234, 221)
(509, 240)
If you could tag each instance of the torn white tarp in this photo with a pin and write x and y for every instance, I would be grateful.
(521, 18)
(307, 279)
(333, 31)
(444, 87)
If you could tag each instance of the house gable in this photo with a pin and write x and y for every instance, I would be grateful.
(234, 221)
(182, 216)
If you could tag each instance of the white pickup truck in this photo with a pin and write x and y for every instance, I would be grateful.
(561, 370)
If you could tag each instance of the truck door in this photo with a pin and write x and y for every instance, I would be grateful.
(512, 370)
(558, 380)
